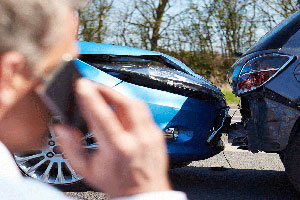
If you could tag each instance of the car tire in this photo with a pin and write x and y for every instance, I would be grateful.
(290, 158)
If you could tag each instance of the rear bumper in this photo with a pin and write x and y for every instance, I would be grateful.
(269, 121)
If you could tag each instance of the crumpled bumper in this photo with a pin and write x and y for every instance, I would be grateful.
(270, 123)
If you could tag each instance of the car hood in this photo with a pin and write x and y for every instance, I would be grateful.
(108, 49)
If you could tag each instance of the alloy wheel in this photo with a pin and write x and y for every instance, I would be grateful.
(49, 164)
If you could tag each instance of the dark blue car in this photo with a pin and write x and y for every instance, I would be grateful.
(187, 107)
(267, 78)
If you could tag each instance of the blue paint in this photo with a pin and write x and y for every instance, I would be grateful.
(109, 49)
(96, 75)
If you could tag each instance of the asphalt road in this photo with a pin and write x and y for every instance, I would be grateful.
(241, 175)
(233, 174)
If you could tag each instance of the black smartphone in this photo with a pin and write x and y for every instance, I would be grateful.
(58, 94)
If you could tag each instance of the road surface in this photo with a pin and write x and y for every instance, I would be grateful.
(233, 174)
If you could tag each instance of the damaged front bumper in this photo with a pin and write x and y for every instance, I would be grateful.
(222, 122)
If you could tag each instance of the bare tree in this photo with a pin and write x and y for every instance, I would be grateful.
(195, 29)
(93, 20)
(274, 11)
(146, 23)
(281, 7)
(235, 22)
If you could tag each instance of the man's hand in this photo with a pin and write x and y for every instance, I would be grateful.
(132, 156)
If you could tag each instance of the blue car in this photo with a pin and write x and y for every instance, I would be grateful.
(187, 107)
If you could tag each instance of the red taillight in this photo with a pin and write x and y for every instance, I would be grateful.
(257, 71)
(253, 80)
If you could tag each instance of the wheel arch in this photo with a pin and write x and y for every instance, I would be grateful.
(294, 131)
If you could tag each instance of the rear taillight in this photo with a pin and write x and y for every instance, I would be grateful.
(253, 80)
(258, 71)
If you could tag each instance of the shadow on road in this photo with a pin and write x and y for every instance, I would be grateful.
(204, 183)
(77, 187)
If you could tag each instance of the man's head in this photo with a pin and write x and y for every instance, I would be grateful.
(34, 36)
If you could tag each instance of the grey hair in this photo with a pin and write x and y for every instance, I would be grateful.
(76, 4)
(31, 27)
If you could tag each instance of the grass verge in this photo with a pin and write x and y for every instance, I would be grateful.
(230, 97)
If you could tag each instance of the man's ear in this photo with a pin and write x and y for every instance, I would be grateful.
(12, 79)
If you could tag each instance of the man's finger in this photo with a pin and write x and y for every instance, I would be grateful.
(129, 111)
(70, 141)
(99, 115)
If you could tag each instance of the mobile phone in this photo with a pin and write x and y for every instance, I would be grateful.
(58, 94)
